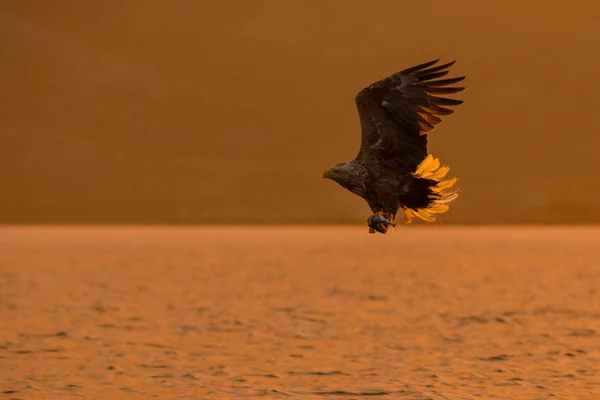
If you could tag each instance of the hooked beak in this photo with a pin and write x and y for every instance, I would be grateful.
(326, 174)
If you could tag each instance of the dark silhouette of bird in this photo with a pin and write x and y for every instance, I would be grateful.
(393, 169)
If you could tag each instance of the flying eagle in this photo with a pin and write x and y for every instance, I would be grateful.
(393, 169)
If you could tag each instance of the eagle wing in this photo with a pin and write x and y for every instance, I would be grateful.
(397, 112)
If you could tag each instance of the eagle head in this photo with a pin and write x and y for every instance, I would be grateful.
(337, 172)
(348, 175)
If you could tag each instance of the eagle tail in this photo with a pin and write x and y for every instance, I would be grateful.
(430, 193)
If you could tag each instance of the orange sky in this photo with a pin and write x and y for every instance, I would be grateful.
(189, 112)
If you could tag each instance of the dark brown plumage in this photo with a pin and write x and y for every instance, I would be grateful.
(393, 169)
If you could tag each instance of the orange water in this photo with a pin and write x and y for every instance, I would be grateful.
(441, 313)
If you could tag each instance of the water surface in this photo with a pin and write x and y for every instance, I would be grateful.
(299, 312)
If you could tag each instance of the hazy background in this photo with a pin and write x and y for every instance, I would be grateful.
(195, 111)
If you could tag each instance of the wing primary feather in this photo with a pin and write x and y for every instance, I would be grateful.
(425, 126)
(437, 110)
(431, 76)
(417, 67)
(435, 69)
(445, 101)
(428, 109)
(430, 118)
(442, 82)
(444, 90)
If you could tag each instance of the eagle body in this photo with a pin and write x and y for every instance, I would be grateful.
(393, 169)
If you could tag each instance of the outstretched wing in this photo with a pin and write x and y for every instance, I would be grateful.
(397, 112)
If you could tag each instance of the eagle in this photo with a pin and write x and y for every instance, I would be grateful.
(393, 169)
